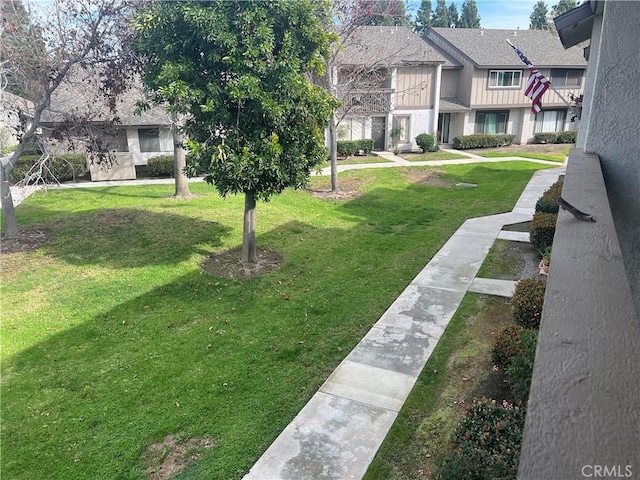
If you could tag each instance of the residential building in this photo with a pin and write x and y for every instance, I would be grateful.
(583, 415)
(10, 106)
(483, 83)
(386, 77)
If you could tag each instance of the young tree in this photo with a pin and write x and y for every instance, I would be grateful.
(453, 14)
(422, 22)
(538, 18)
(70, 36)
(253, 119)
(381, 12)
(440, 16)
(469, 17)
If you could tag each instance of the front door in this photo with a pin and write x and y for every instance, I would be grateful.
(378, 132)
(444, 121)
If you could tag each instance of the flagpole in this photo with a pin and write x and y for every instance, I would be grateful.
(571, 107)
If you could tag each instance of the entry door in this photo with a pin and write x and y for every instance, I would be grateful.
(444, 121)
(378, 132)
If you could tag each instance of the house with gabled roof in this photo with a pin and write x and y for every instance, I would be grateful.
(387, 76)
(483, 83)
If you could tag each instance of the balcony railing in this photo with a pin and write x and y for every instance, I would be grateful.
(366, 101)
(583, 418)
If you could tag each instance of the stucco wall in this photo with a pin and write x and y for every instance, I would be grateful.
(614, 127)
(421, 122)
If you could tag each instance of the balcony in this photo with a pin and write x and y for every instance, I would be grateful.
(368, 101)
(583, 416)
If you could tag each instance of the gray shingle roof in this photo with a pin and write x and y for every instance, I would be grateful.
(453, 104)
(487, 48)
(390, 46)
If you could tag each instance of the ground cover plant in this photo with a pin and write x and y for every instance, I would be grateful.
(117, 344)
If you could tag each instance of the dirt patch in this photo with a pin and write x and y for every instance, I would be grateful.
(340, 195)
(229, 265)
(167, 458)
(350, 188)
(29, 239)
(431, 177)
(547, 148)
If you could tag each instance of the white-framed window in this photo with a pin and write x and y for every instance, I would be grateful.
(492, 121)
(351, 128)
(505, 78)
(154, 140)
(404, 122)
(550, 121)
(566, 77)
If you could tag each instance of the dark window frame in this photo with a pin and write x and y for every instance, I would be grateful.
(481, 120)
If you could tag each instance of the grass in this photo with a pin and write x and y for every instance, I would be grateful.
(113, 337)
(556, 157)
(422, 157)
(357, 160)
(459, 370)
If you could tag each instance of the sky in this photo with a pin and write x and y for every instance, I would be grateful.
(497, 13)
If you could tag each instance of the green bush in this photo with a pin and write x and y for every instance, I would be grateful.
(566, 137)
(57, 168)
(506, 345)
(520, 370)
(464, 142)
(548, 202)
(161, 166)
(486, 443)
(366, 145)
(527, 302)
(426, 142)
(543, 228)
(347, 148)
(545, 137)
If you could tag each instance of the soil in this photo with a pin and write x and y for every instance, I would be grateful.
(29, 239)
(167, 458)
(229, 265)
(431, 177)
(548, 148)
(350, 188)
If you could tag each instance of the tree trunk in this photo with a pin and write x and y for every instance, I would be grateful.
(179, 160)
(8, 210)
(249, 231)
(333, 154)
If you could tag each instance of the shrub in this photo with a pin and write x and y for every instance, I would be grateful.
(347, 148)
(464, 142)
(161, 166)
(506, 345)
(566, 137)
(58, 168)
(426, 142)
(486, 443)
(543, 228)
(527, 302)
(545, 137)
(520, 370)
(548, 202)
(366, 145)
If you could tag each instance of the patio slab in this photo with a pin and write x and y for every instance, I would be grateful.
(514, 236)
(490, 286)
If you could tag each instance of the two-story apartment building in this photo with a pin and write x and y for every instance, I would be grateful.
(482, 85)
(386, 77)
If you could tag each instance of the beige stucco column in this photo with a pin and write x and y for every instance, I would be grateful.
(436, 100)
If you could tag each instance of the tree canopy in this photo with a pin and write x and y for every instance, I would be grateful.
(422, 21)
(538, 18)
(381, 12)
(440, 17)
(469, 17)
(254, 121)
(454, 18)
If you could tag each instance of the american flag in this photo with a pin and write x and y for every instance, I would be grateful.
(536, 85)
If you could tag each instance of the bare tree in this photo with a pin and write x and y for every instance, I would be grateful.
(67, 39)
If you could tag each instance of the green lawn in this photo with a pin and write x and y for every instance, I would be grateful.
(423, 157)
(113, 337)
(557, 157)
(357, 160)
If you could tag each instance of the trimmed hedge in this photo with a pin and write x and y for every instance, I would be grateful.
(426, 143)
(59, 168)
(161, 166)
(486, 443)
(348, 148)
(548, 202)
(527, 302)
(566, 136)
(520, 370)
(507, 345)
(543, 228)
(464, 142)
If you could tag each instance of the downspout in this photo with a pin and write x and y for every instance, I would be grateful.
(436, 101)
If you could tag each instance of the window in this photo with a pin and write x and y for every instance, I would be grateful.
(155, 139)
(565, 77)
(550, 121)
(351, 129)
(504, 78)
(492, 121)
(402, 122)
(149, 139)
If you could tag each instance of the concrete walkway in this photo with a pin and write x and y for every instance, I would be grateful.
(337, 433)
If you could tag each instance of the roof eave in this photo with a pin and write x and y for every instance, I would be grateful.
(575, 25)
